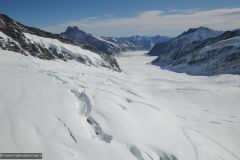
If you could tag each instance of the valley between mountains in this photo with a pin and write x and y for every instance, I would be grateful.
(74, 111)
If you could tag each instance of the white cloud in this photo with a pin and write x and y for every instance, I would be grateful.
(154, 22)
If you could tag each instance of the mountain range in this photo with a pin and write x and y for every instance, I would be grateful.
(113, 45)
(138, 42)
(183, 40)
(200, 51)
(66, 98)
(197, 51)
(20, 38)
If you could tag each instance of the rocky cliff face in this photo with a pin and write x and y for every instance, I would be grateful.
(17, 37)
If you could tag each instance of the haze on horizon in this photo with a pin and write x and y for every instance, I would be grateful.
(125, 18)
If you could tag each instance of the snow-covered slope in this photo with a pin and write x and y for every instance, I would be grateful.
(74, 51)
(218, 55)
(68, 110)
(38, 43)
(183, 40)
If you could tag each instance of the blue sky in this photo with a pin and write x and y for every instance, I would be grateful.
(56, 15)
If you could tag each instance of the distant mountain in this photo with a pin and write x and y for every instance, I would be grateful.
(138, 42)
(183, 40)
(17, 37)
(212, 56)
(112, 45)
(82, 37)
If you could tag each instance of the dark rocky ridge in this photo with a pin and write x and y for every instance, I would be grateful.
(19, 44)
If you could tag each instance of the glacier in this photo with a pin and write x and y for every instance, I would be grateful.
(69, 110)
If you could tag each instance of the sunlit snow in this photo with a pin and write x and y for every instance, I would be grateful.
(68, 110)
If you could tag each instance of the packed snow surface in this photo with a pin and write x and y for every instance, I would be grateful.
(68, 110)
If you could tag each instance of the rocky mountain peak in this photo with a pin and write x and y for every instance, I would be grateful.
(73, 29)
(200, 30)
